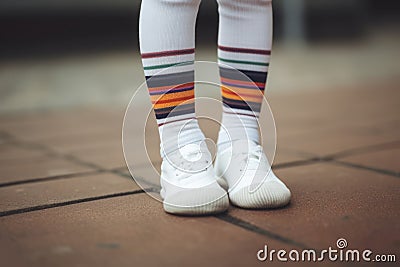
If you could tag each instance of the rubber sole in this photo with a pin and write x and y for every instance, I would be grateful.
(197, 202)
(270, 195)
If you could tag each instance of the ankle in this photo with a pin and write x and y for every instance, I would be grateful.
(179, 134)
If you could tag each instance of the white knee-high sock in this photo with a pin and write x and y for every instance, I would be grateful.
(167, 44)
(244, 48)
(167, 40)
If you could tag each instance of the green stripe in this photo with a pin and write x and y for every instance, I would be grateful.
(168, 65)
(244, 62)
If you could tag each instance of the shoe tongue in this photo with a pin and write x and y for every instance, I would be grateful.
(191, 152)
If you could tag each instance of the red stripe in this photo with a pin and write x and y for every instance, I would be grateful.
(244, 114)
(244, 50)
(168, 53)
(169, 87)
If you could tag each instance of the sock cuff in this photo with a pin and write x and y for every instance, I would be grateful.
(178, 134)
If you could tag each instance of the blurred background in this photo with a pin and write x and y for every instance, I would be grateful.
(79, 53)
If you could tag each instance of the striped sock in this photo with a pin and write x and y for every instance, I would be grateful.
(172, 95)
(242, 86)
(243, 55)
(166, 33)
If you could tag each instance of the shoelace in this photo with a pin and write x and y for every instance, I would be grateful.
(185, 167)
(250, 159)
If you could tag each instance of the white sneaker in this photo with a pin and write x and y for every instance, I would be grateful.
(188, 183)
(244, 169)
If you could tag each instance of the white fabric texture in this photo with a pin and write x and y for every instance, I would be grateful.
(243, 24)
(168, 25)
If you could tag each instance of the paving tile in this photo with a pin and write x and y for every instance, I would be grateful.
(93, 136)
(98, 142)
(42, 126)
(387, 159)
(10, 254)
(143, 150)
(56, 191)
(331, 141)
(127, 231)
(331, 202)
(105, 155)
(328, 122)
(147, 177)
(38, 167)
(340, 104)
(98, 146)
(283, 156)
(74, 142)
(306, 112)
(11, 153)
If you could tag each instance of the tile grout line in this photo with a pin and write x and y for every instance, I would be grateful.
(102, 170)
(366, 168)
(65, 176)
(68, 203)
(364, 149)
(335, 158)
(348, 152)
(313, 160)
(296, 163)
(68, 157)
(337, 162)
(155, 186)
(52, 152)
(50, 178)
(255, 229)
(71, 158)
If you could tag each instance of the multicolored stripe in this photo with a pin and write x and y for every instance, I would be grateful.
(243, 74)
(244, 58)
(170, 81)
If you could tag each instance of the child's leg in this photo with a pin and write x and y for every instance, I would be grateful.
(167, 33)
(244, 43)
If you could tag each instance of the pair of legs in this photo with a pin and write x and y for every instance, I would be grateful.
(167, 42)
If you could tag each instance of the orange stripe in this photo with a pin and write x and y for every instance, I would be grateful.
(233, 97)
(172, 96)
(242, 97)
(242, 91)
(173, 104)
